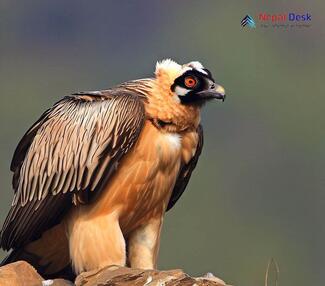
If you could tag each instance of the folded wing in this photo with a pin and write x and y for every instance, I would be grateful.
(66, 157)
(186, 172)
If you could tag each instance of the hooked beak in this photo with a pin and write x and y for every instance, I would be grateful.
(216, 91)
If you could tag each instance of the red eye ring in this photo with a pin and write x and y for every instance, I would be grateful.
(190, 81)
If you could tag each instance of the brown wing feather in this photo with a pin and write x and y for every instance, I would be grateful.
(186, 172)
(72, 149)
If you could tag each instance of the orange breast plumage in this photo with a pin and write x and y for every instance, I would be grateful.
(142, 185)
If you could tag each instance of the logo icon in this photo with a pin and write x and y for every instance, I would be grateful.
(248, 21)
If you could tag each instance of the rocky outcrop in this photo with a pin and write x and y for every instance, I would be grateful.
(21, 273)
(118, 276)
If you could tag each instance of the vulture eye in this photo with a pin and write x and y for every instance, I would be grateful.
(190, 81)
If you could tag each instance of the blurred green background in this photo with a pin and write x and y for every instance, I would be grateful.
(258, 190)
